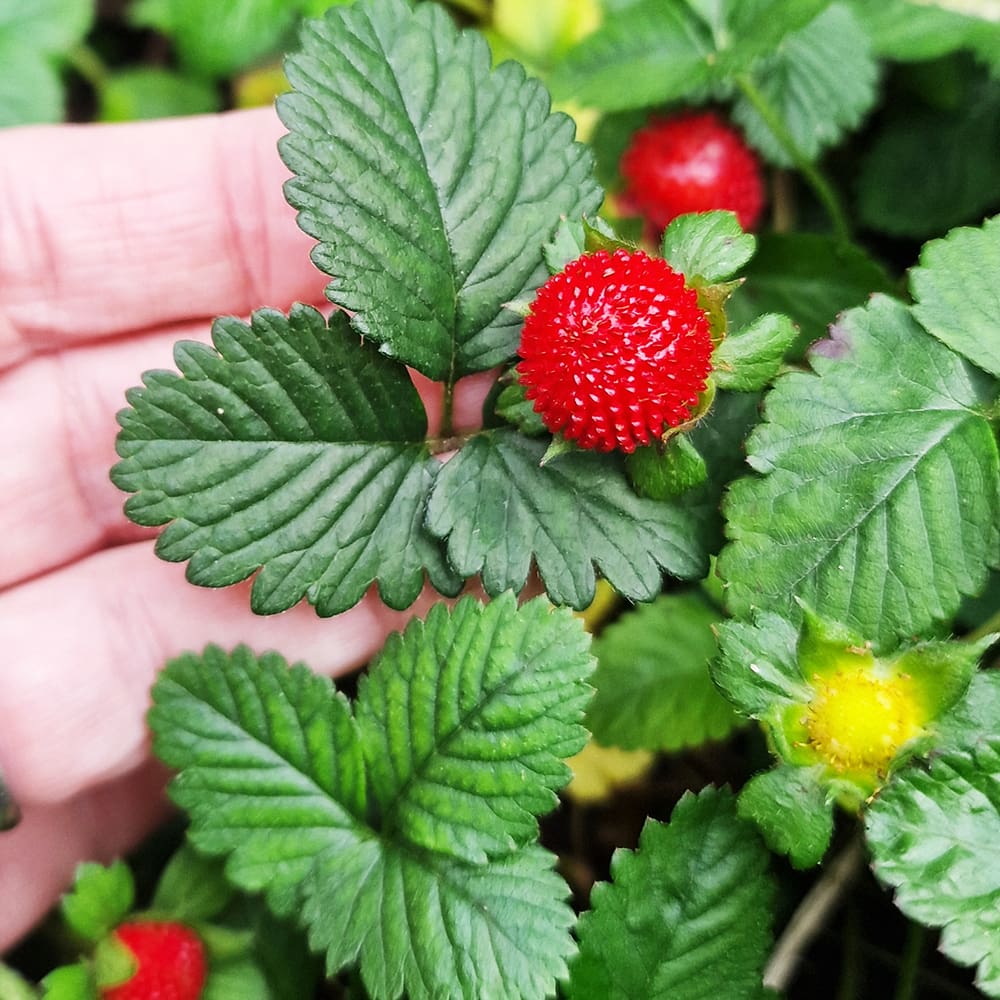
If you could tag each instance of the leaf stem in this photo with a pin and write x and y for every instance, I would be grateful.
(909, 969)
(850, 966)
(88, 64)
(446, 430)
(992, 624)
(820, 185)
(812, 913)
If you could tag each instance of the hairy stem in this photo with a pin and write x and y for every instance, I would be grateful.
(813, 912)
(820, 185)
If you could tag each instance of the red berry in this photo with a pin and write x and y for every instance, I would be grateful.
(170, 960)
(692, 163)
(614, 350)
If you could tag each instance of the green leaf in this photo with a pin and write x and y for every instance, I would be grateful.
(191, 887)
(236, 979)
(292, 447)
(31, 92)
(807, 276)
(69, 982)
(475, 704)
(515, 408)
(957, 292)
(708, 245)
(450, 771)
(751, 357)
(934, 833)
(688, 911)
(653, 687)
(153, 92)
(665, 471)
(217, 39)
(500, 510)
(435, 218)
(793, 810)
(878, 496)
(100, 899)
(50, 26)
(820, 83)
(973, 720)
(931, 169)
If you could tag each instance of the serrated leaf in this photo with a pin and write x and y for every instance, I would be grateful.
(100, 899)
(500, 509)
(707, 245)
(930, 169)
(975, 718)
(807, 276)
(461, 710)
(934, 833)
(793, 809)
(820, 83)
(291, 448)
(653, 689)
(271, 767)
(271, 772)
(878, 495)
(750, 357)
(689, 910)
(957, 292)
(435, 218)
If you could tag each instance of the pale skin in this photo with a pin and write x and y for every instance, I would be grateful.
(115, 242)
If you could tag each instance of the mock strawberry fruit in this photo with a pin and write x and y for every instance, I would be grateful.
(693, 162)
(615, 350)
(170, 962)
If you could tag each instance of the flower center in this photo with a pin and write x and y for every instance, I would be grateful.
(859, 722)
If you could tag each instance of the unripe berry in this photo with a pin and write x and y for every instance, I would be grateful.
(693, 162)
(615, 350)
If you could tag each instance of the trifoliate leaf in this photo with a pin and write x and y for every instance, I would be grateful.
(707, 245)
(751, 357)
(500, 509)
(653, 687)
(931, 169)
(819, 83)
(322, 814)
(934, 833)
(957, 292)
(878, 495)
(460, 710)
(100, 899)
(431, 181)
(807, 276)
(793, 809)
(291, 448)
(686, 912)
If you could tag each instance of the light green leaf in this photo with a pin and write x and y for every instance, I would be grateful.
(153, 92)
(431, 182)
(807, 276)
(14, 987)
(292, 447)
(820, 83)
(707, 245)
(191, 887)
(70, 982)
(459, 710)
(957, 292)
(751, 357)
(653, 687)
(793, 809)
(878, 496)
(500, 509)
(31, 92)
(934, 833)
(973, 720)
(274, 775)
(236, 979)
(688, 911)
(50, 26)
(100, 899)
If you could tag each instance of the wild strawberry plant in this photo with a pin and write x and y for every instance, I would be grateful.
(800, 535)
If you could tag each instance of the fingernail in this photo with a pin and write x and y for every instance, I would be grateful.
(10, 811)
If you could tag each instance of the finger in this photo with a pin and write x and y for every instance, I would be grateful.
(107, 229)
(39, 857)
(57, 503)
(82, 646)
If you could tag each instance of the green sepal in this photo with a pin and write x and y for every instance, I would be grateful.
(662, 472)
(515, 408)
(713, 298)
(113, 962)
(70, 982)
(575, 237)
(750, 358)
(597, 235)
(793, 809)
(707, 247)
(100, 899)
(559, 445)
(227, 944)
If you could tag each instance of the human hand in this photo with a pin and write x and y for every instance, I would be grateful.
(115, 242)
